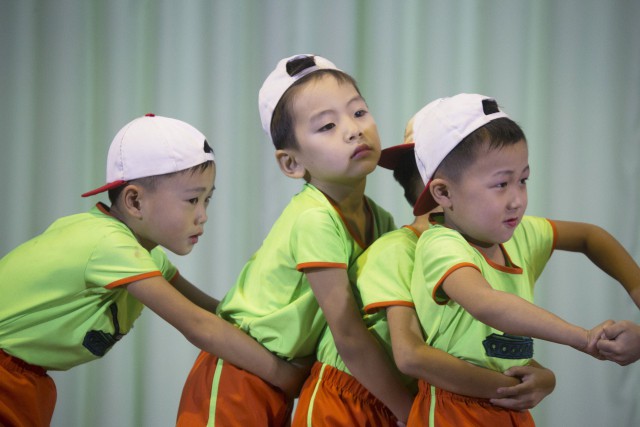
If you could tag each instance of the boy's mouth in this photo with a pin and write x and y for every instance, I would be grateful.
(360, 149)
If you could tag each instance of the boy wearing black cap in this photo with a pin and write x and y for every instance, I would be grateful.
(476, 266)
(69, 294)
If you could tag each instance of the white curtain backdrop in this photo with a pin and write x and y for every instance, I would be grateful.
(72, 72)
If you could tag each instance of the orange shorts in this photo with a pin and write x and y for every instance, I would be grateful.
(331, 397)
(218, 393)
(27, 393)
(456, 410)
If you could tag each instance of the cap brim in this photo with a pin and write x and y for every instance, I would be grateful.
(425, 202)
(389, 157)
(104, 188)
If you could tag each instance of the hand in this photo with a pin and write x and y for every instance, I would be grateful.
(536, 383)
(294, 374)
(620, 342)
(593, 336)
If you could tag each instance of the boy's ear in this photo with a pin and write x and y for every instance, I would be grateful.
(289, 164)
(439, 189)
(130, 197)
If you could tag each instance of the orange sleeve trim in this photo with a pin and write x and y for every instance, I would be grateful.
(372, 308)
(175, 276)
(306, 265)
(131, 279)
(447, 274)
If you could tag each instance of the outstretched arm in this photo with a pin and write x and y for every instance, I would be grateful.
(621, 342)
(603, 250)
(513, 315)
(358, 348)
(210, 333)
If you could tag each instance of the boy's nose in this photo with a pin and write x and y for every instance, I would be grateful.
(354, 131)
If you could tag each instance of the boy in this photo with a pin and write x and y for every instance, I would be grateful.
(71, 293)
(475, 267)
(297, 283)
(384, 282)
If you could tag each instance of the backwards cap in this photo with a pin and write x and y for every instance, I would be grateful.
(287, 72)
(439, 127)
(150, 146)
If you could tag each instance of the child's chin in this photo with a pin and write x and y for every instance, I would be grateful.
(181, 251)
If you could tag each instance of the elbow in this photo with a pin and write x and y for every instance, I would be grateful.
(406, 362)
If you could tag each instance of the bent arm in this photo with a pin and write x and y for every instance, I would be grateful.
(603, 250)
(212, 334)
(357, 347)
(417, 359)
(513, 315)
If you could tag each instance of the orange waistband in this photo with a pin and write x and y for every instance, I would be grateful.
(9, 361)
(343, 381)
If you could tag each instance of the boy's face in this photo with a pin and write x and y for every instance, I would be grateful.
(174, 213)
(488, 202)
(338, 140)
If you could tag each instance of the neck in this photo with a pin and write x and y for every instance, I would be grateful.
(349, 198)
(420, 223)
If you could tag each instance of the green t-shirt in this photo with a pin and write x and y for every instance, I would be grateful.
(61, 290)
(383, 274)
(446, 324)
(272, 299)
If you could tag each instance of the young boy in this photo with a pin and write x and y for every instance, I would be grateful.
(297, 283)
(69, 294)
(384, 280)
(475, 267)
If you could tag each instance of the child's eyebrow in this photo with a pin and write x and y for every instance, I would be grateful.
(198, 189)
(320, 114)
(509, 172)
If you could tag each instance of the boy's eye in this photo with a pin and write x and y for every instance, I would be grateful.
(523, 181)
(193, 201)
(327, 127)
(361, 113)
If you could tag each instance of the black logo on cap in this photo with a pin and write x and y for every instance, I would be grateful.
(490, 106)
(299, 64)
(207, 147)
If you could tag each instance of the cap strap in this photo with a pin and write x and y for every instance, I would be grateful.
(298, 64)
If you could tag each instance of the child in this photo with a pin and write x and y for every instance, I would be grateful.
(323, 132)
(384, 283)
(475, 267)
(71, 293)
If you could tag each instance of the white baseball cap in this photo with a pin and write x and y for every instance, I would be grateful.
(153, 145)
(439, 127)
(287, 72)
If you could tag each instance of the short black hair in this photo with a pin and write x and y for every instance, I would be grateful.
(407, 175)
(496, 134)
(151, 182)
